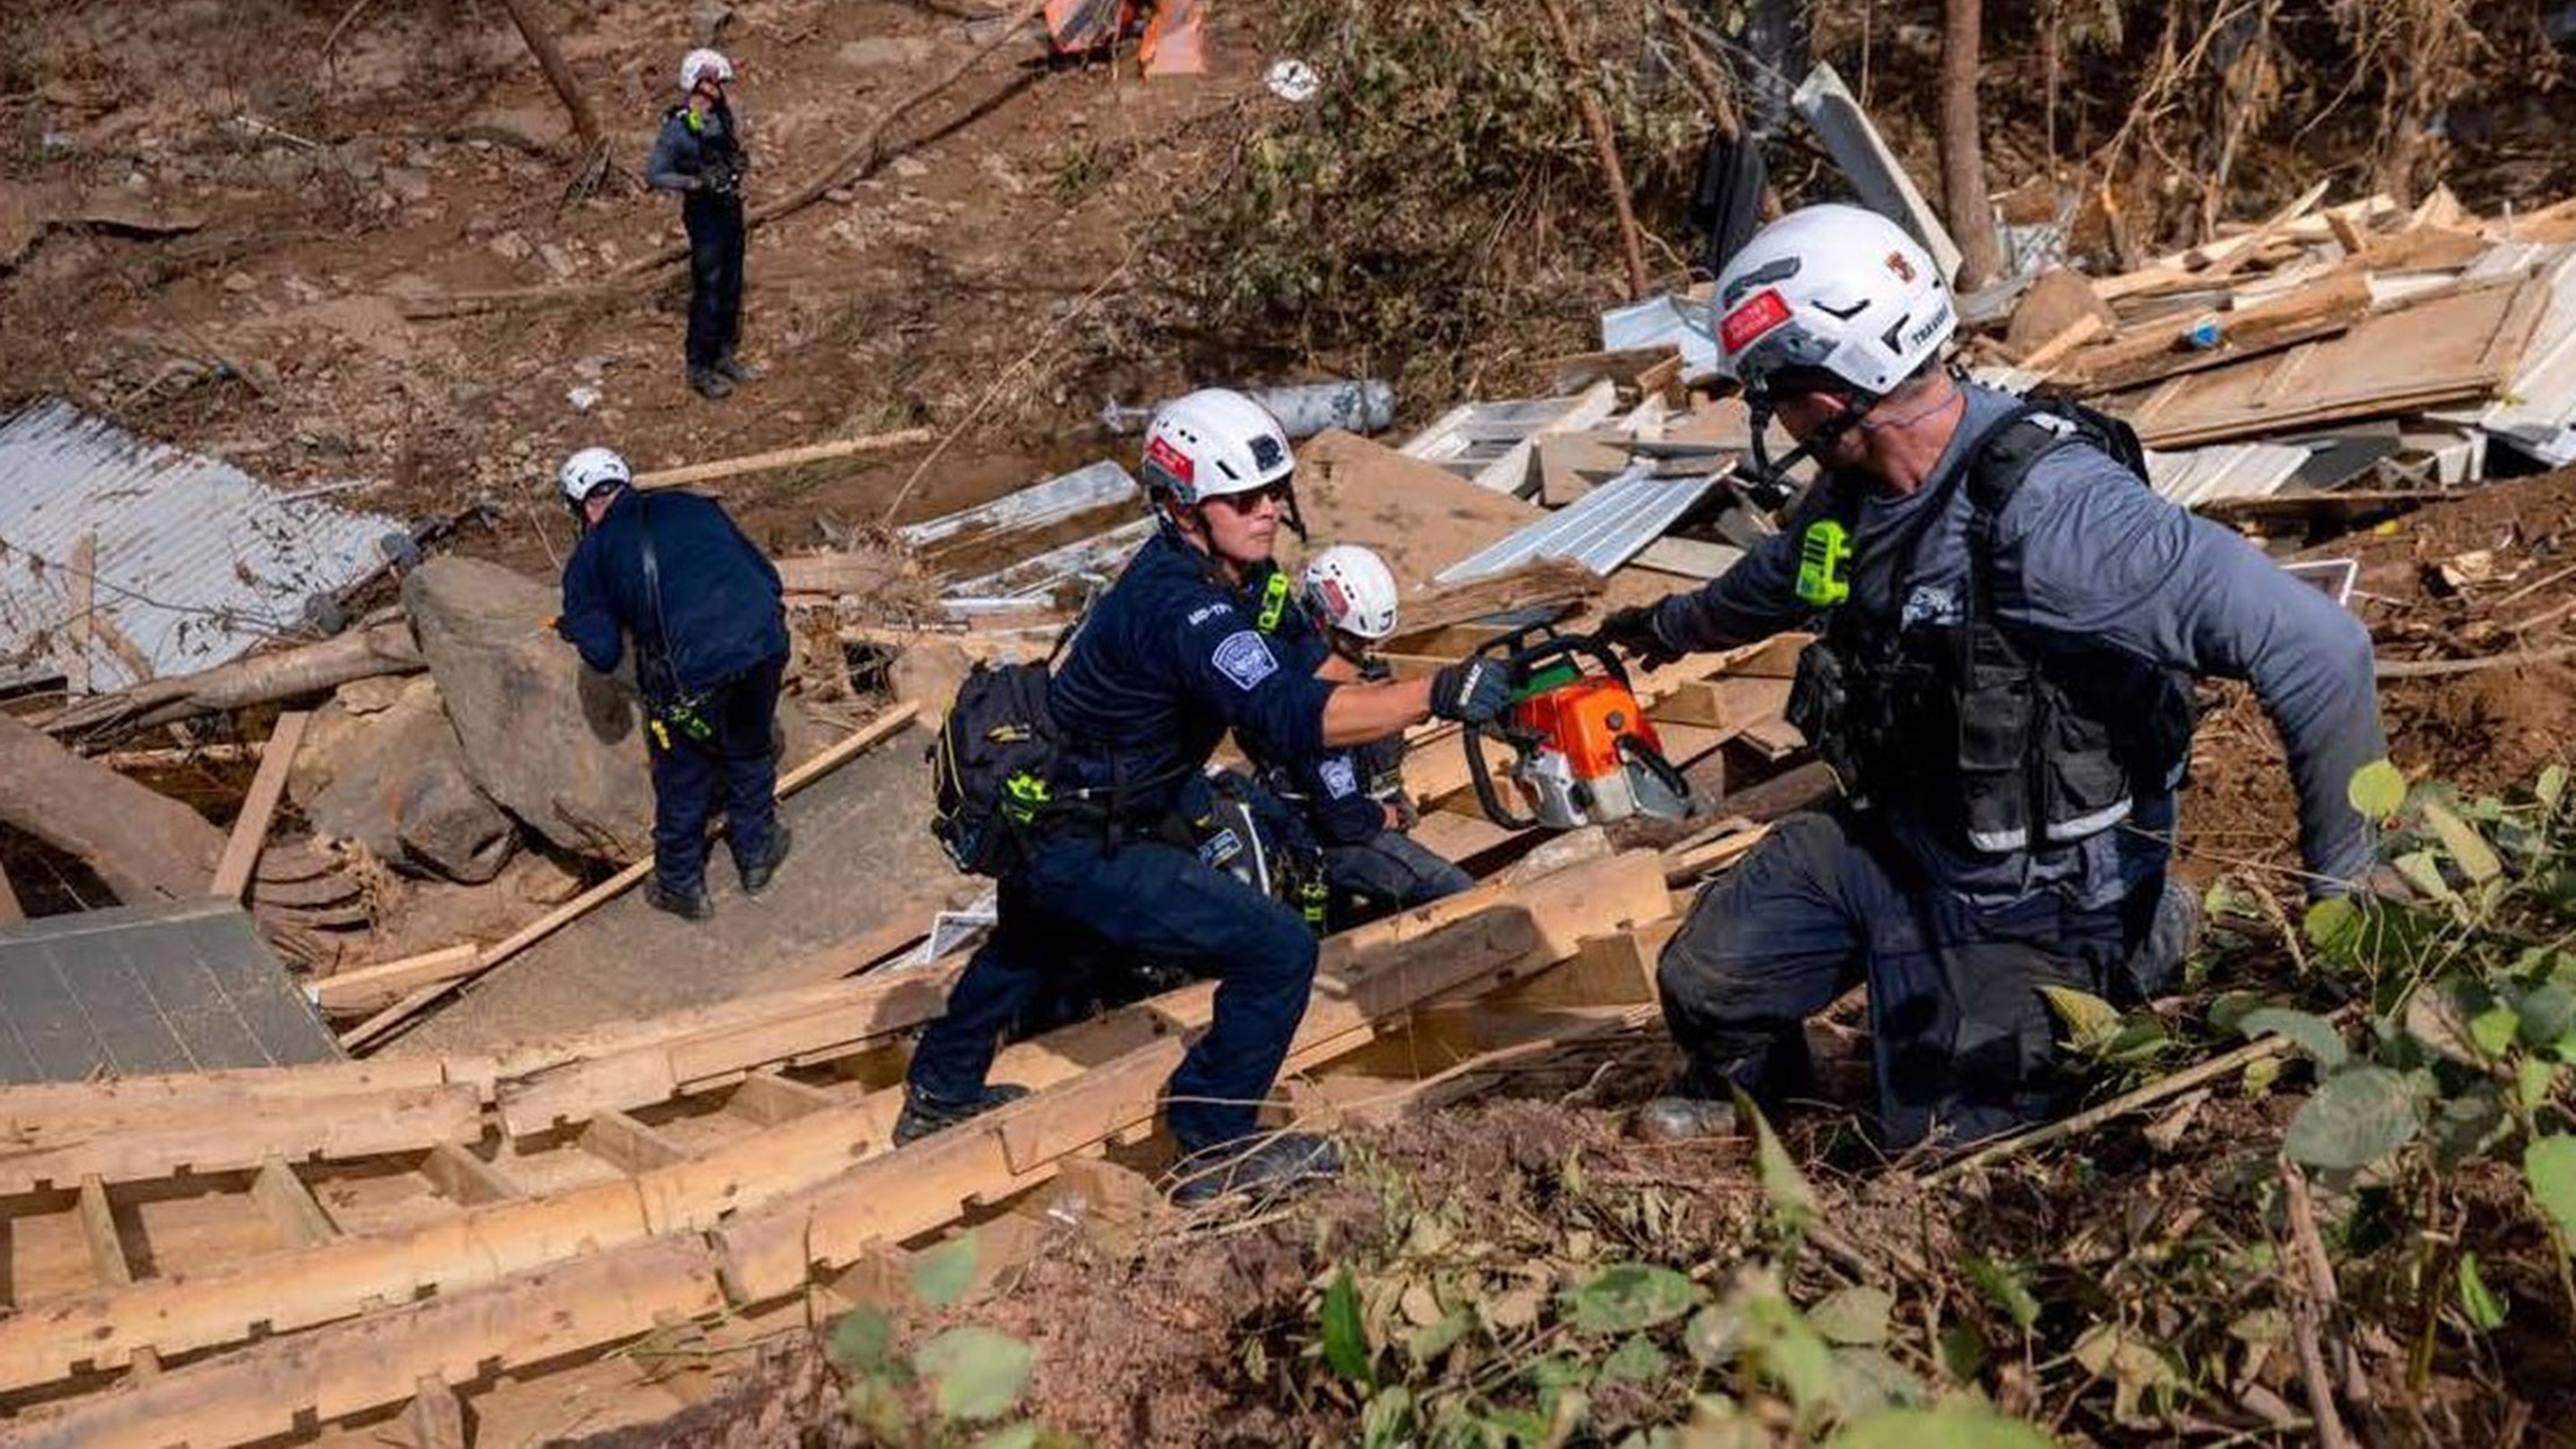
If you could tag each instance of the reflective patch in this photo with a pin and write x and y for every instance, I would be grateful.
(1930, 604)
(1340, 780)
(1159, 452)
(1244, 657)
(1205, 612)
(1760, 313)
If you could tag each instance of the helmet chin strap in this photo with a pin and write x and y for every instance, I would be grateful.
(1765, 478)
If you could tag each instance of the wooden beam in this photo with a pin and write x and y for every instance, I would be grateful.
(777, 458)
(887, 723)
(227, 1132)
(465, 1178)
(76, 631)
(98, 1230)
(290, 1206)
(373, 988)
(770, 1099)
(259, 808)
(627, 1144)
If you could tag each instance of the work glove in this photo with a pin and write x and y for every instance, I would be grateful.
(1632, 631)
(1476, 691)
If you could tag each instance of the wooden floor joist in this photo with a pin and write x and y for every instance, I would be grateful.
(802, 1175)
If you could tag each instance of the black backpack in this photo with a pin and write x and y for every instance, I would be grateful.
(990, 767)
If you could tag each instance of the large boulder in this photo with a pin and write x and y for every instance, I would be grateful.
(398, 785)
(553, 743)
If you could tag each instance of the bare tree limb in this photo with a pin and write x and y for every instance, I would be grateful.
(146, 846)
(1603, 142)
(585, 121)
(1963, 154)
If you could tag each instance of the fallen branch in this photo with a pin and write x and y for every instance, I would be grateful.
(550, 59)
(2438, 668)
(482, 961)
(2160, 1090)
(850, 165)
(782, 458)
(144, 845)
(2316, 1299)
(383, 647)
(1604, 145)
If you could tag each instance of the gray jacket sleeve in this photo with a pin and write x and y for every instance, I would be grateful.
(673, 164)
(2084, 550)
(1755, 599)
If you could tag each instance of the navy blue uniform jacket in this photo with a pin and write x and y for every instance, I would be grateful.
(720, 595)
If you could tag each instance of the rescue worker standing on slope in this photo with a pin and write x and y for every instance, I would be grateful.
(1165, 663)
(2011, 620)
(672, 572)
(699, 154)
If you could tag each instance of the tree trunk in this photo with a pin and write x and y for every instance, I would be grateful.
(144, 845)
(1963, 157)
(1604, 144)
(382, 648)
(585, 122)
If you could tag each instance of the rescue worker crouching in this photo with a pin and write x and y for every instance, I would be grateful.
(1352, 801)
(703, 607)
(699, 154)
(1161, 668)
(2011, 622)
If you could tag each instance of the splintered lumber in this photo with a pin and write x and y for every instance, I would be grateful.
(380, 648)
(374, 1027)
(143, 844)
(259, 807)
(1539, 582)
(2154, 350)
(778, 1198)
(2461, 344)
(777, 458)
(373, 988)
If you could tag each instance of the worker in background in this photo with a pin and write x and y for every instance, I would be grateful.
(2010, 621)
(700, 155)
(671, 572)
(1170, 659)
(1353, 801)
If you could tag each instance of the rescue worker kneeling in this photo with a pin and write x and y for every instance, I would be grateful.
(1166, 662)
(2011, 618)
(1352, 802)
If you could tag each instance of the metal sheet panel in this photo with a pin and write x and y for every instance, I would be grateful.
(196, 560)
(1601, 530)
(1094, 485)
(1100, 555)
(2191, 476)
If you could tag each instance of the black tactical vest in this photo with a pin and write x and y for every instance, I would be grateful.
(2008, 739)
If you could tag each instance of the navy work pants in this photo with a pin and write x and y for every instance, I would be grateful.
(739, 764)
(1962, 1040)
(715, 276)
(1386, 873)
(1151, 900)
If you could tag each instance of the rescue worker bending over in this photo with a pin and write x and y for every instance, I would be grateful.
(1163, 666)
(1352, 801)
(2011, 620)
(671, 571)
(699, 154)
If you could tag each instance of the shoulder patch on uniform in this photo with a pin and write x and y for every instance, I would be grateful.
(1340, 780)
(1244, 657)
(1207, 611)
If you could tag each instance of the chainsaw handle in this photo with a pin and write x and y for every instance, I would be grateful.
(1637, 752)
(1471, 738)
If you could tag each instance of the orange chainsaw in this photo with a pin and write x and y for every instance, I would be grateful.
(1583, 750)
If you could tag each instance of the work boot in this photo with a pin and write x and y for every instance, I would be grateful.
(923, 1115)
(756, 878)
(1684, 1119)
(735, 369)
(709, 382)
(693, 906)
(1253, 1166)
(2173, 937)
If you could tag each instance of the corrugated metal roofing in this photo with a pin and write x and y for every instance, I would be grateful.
(196, 560)
(1601, 530)
(2192, 476)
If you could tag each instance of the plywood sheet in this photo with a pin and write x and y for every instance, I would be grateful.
(1418, 516)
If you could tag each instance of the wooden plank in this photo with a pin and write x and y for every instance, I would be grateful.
(2154, 350)
(98, 1231)
(383, 1022)
(465, 1178)
(627, 1144)
(259, 807)
(777, 458)
(76, 631)
(770, 1099)
(290, 1206)
(1728, 705)
(1514, 474)
(224, 1133)
(435, 1417)
(373, 988)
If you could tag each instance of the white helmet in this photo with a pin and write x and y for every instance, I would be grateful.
(590, 470)
(697, 65)
(1213, 442)
(1348, 587)
(1835, 288)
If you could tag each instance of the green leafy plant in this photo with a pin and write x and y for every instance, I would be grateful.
(971, 1375)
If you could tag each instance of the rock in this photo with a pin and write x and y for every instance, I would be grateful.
(557, 260)
(401, 789)
(541, 880)
(884, 52)
(708, 19)
(512, 247)
(373, 696)
(240, 282)
(909, 167)
(553, 743)
(407, 184)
